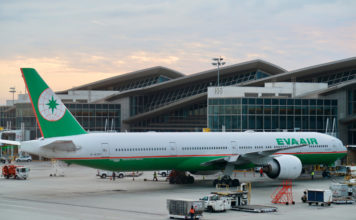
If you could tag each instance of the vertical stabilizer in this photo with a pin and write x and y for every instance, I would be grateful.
(53, 118)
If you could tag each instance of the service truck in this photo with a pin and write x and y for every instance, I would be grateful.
(216, 203)
(15, 171)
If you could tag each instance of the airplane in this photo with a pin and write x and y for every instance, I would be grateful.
(280, 154)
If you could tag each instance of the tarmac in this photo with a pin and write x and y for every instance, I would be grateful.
(80, 194)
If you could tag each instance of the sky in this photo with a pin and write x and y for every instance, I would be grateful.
(74, 42)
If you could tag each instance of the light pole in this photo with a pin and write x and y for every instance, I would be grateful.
(218, 62)
(13, 90)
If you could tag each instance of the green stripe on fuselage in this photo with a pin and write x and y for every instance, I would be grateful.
(187, 163)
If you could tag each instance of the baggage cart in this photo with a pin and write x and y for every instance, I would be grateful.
(319, 196)
(179, 208)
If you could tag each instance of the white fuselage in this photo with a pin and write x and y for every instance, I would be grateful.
(152, 144)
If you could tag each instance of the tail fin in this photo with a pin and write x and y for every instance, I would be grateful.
(53, 118)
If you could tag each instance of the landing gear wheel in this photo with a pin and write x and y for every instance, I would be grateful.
(226, 180)
(172, 180)
(190, 180)
(235, 182)
(210, 209)
(180, 177)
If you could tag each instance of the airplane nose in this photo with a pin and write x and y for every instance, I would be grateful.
(339, 144)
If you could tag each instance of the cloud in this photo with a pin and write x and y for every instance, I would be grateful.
(57, 72)
(154, 59)
(90, 40)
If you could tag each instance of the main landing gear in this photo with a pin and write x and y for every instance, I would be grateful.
(226, 180)
(180, 177)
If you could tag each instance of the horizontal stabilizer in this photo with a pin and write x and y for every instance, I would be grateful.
(61, 145)
(17, 143)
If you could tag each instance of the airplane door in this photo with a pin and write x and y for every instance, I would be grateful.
(233, 147)
(173, 148)
(105, 150)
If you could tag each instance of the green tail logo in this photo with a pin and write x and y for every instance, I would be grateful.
(53, 118)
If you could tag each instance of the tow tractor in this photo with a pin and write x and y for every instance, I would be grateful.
(15, 171)
(226, 200)
(216, 203)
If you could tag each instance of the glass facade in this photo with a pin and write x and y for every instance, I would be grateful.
(141, 82)
(93, 117)
(351, 102)
(141, 104)
(270, 114)
(334, 77)
(188, 118)
(7, 117)
(97, 117)
(352, 133)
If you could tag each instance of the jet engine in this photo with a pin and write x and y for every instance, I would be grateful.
(284, 167)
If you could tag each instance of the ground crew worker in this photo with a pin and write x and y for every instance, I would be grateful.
(312, 174)
(155, 176)
(113, 176)
(261, 172)
(192, 212)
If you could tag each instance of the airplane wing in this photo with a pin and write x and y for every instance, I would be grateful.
(223, 161)
(61, 145)
(248, 157)
(17, 143)
(265, 153)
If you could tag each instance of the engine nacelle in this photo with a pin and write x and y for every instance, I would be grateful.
(284, 167)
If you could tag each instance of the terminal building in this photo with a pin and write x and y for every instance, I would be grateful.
(254, 95)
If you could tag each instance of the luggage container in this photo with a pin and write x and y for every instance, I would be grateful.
(339, 190)
(319, 196)
(179, 208)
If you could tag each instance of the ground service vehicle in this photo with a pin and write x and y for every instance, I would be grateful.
(14, 171)
(24, 158)
(4, 159)
(216, 203)
(104, 174)
(164, 173)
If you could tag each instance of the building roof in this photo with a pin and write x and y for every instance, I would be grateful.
(109, 82)
(180, 103)
(197, 77)
(310, 71)
(343, 85)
